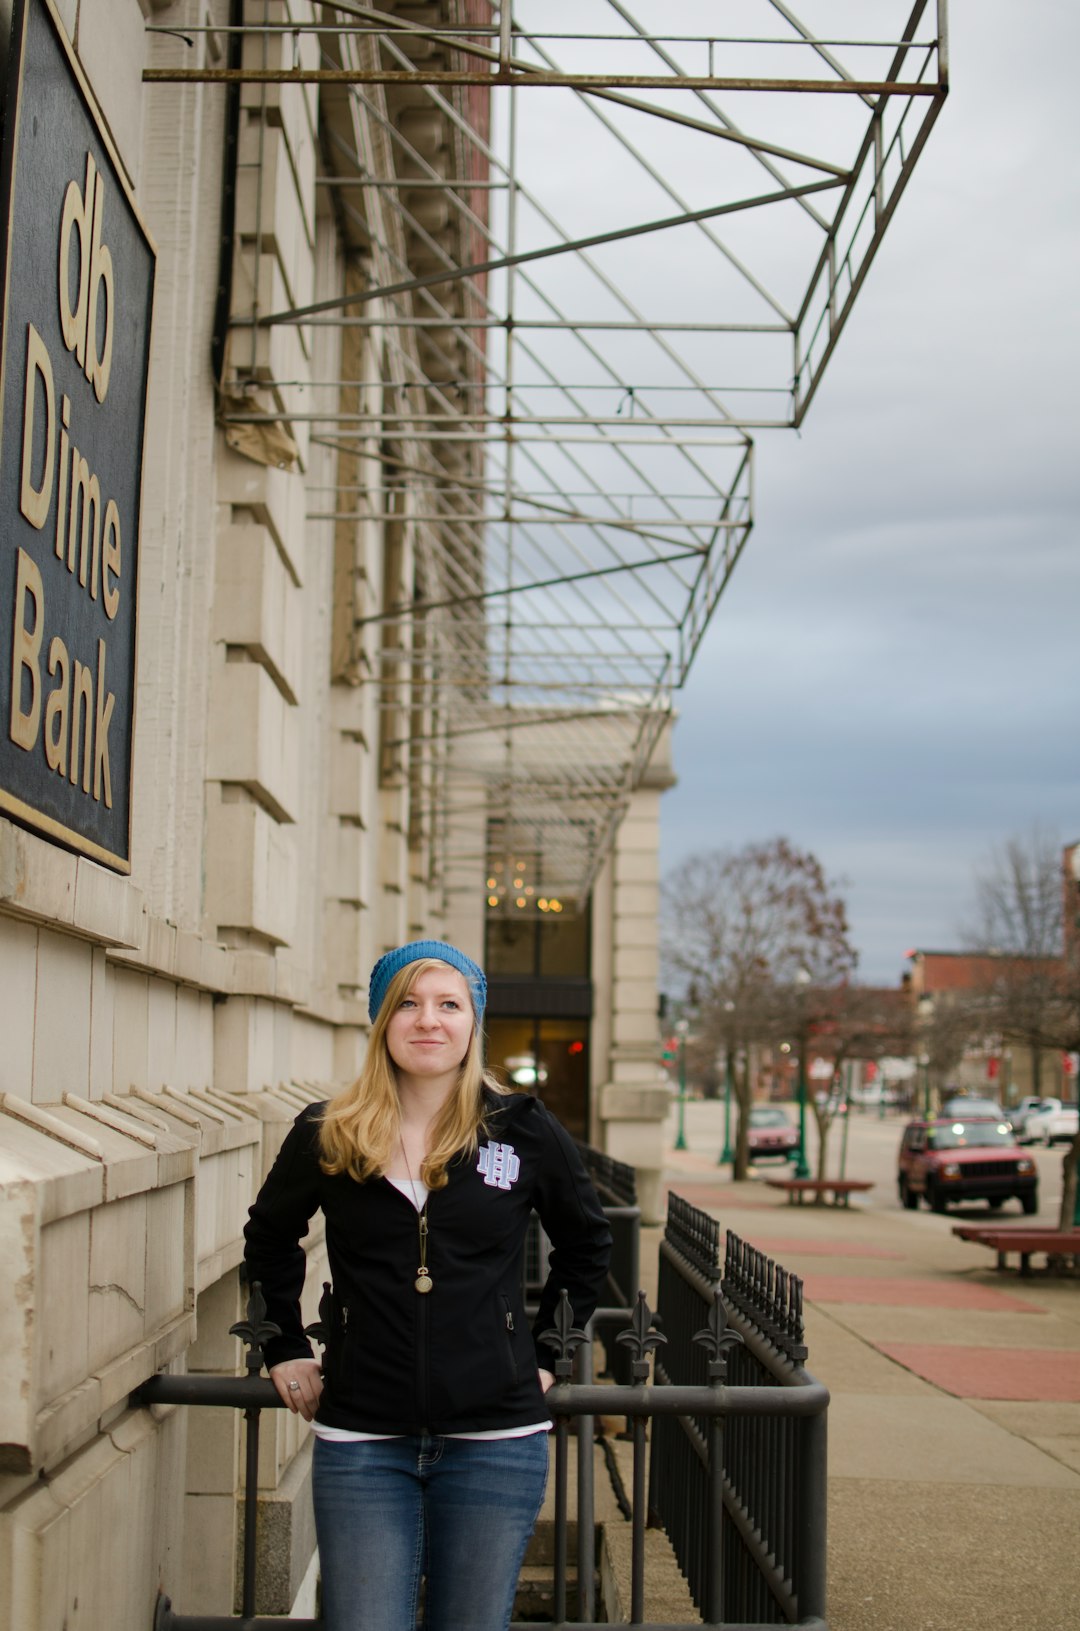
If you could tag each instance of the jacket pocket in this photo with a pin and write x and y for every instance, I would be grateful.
(509, 1339)
(337, 1360)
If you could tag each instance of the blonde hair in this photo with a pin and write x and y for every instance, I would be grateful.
(362, 1124)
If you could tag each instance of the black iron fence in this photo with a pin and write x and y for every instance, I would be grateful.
(737, 1474)
(616, 1185)
(741, 1493)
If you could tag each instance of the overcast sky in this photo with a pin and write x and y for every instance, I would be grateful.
(892, 679)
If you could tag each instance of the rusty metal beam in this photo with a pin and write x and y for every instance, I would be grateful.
(502, 263)
(518, 80)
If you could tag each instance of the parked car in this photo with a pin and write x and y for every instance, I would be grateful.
(1053, 1119)
(1018, 1113)
(770, 1133)
(946, 1159)
(964, 1104)
(875, 1093)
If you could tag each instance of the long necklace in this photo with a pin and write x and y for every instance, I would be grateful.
(423, 1281)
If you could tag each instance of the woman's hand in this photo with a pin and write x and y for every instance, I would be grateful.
(299, 1382)
(546, 1380)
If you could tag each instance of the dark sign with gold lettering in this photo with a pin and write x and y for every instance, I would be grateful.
(78, 269)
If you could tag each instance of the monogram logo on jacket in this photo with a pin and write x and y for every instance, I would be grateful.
(499, 1165)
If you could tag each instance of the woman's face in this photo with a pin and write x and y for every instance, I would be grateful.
(429, 1032)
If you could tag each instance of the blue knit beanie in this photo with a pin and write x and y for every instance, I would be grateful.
(391, 963)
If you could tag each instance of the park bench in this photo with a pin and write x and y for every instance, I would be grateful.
(841, 1189)
(1004, 1239)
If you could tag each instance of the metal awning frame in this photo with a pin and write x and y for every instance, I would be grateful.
(546, 608)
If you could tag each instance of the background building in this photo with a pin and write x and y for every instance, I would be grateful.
(290, 818)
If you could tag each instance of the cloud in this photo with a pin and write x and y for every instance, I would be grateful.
(893, 676)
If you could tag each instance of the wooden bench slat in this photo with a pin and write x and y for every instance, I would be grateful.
(1055, 1242)
(840, 1188)
(1069, 1239)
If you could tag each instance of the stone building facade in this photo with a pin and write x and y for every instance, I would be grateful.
(163, 1019)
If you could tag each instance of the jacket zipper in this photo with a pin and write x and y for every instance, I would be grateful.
(422, 1340)
(508, 1320)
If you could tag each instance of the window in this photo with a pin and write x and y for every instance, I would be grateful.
(546, 948)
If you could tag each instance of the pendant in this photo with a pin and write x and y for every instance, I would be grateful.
(423, 1281)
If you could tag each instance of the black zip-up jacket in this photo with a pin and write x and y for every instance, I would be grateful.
(459, 1359)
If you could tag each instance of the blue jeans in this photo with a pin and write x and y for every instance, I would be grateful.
(458, 1511)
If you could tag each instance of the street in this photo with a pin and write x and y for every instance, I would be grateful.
(872, 1144)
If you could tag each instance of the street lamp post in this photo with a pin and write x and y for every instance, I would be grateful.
(845, 1110)
(727, 1154)
(802, 980)
(682, 1026)
(924, 1009)
(801, 1168)
(1072, 949)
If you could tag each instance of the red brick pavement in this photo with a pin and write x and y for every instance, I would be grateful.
(900, 1292)
(825, 1248)
(715, 1197)
(991, 1373)
(968, 1372)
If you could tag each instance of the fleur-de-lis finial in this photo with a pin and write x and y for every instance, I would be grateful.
(717, 1337)
(565, 1338)
(320, 1330)
(641, 1338)
(256, 1329)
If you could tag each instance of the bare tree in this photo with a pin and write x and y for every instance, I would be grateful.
(854, 1022)
(1025, 900)
(1018, 919)
(740, 926)
(942, 1033)
(1018, 897)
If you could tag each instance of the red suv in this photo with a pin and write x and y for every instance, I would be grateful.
(953, 1159)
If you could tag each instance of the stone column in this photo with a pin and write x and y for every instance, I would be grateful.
(632, 1097)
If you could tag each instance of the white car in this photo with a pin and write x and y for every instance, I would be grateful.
(1018, 1113)
(1051, 1121)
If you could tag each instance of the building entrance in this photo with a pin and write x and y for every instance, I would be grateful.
(548, 1057)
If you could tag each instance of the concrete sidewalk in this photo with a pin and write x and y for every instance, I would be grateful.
(954, 1427)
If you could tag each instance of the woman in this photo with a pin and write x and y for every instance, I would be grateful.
(431, 1451)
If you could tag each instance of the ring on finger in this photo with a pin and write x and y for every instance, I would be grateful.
(294, 1387)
